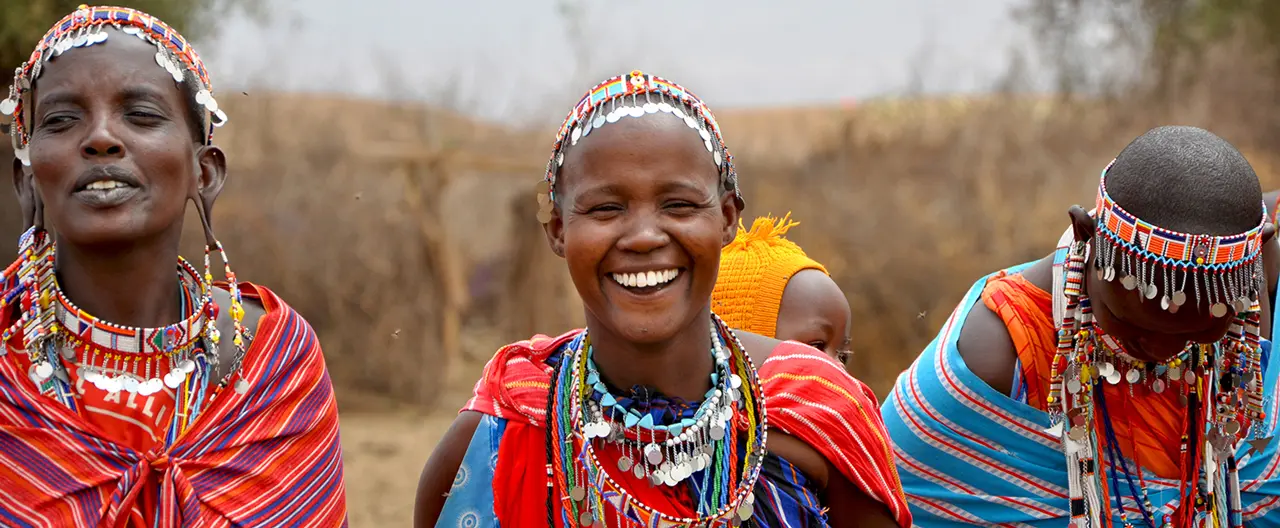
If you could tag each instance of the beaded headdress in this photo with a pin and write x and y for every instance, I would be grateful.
(635, 94)
(1220, 385)
(1219, 270)
(85, 27)
(110, 356)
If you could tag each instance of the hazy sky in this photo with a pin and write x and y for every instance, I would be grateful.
(513, 57)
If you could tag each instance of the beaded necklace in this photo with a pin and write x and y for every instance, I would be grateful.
(1219, 384)
(181, 356)
(117, 357)
(702, 449)
(114, 357)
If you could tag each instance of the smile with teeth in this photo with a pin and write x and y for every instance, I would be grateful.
(645, 279)
(105, 185)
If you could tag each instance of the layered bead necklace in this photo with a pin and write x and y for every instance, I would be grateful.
(1219, 385)
(136, 360)
(181, 356)
(699, 445)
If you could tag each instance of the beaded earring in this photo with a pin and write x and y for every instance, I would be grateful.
(236, 310)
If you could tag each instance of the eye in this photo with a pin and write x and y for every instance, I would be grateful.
(57, 120)
(144, 116)
(605, 207)
(844, 356)
(820, 345)
(603, 211)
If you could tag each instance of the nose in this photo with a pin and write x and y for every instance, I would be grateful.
(645, 234)
(101, 140)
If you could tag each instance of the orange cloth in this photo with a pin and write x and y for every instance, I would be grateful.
(1148, 426)
(754, 271)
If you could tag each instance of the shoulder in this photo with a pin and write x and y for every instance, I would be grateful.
(535, 350)
(761, 348)
(985, 344)
(252, 302)
(263, 310)
(987, 348)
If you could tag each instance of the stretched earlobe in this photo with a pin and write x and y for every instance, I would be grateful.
(1084, 225)
(554, 229)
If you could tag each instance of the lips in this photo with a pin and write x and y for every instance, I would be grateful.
(106, 186)
(105, 177)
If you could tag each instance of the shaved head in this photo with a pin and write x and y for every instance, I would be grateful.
(1187, 179)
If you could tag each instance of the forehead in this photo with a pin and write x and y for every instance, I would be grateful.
(121, 62)
(813, 295)
(658, 144)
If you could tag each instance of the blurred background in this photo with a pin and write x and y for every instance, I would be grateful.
(383, 157)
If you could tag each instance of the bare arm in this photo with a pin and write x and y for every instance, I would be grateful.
(849, 506)
(987, 348)
(985, 344)
(441, 468)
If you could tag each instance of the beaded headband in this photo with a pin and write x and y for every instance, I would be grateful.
(86, 27)
(636, 94)
(1225, 268)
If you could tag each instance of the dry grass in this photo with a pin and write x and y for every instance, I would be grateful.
(907, 201)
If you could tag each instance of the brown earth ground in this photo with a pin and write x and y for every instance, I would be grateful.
(383, 452)
(384, 445)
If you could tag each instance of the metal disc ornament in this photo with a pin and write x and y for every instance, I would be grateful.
(1133, 375)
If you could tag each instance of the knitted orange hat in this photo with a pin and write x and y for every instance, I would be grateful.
(754, 271)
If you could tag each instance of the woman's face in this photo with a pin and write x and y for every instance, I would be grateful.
(111, 145)
(642, 218)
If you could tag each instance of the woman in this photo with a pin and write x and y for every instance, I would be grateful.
(655, 415)
(768, 286)
(112, 413)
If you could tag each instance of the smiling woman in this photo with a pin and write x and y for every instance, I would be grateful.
(113, 118)
(655, 414)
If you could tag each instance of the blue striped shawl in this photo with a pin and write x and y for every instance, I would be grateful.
(968, 454)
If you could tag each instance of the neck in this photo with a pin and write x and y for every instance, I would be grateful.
(680, 366)
(132, 285)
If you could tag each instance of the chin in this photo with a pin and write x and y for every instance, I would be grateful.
(1156, 355)
(100, 231)
(643, 329)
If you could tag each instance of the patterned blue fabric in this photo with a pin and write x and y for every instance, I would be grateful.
(968, 454)
(470, 502)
